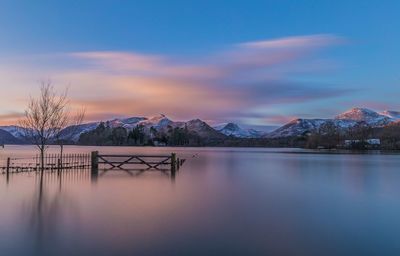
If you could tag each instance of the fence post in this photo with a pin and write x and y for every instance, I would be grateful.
(8, 167)
(95, 162)
(173, 163)
(59, 165)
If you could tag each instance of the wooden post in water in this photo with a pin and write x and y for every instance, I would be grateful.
(8, 168)
(173, 163)
(95, 162)
(59, 165)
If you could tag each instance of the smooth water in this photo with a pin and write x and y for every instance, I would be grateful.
(223, 201)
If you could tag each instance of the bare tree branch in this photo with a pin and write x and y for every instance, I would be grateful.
(46, 116)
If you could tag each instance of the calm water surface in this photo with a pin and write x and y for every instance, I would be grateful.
(223, 202)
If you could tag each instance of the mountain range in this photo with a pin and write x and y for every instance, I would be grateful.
(161, 123)
(344, 121)
(15, 135)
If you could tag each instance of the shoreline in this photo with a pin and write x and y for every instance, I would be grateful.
(257, 149)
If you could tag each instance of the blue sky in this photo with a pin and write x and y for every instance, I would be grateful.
(356, 64)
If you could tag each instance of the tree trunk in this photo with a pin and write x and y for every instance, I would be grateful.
(61, 154)
(42, 159)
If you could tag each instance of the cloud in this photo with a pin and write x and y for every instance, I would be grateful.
(296, 42)
(222, 86)
(278, 119)
(241, 58)
(10, 117)
(140, 64)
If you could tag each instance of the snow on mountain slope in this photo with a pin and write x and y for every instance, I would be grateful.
(131, 122)
(232, 129)
(365, 115)
(157, 122)
(14, 130)
(73, 132)
(394, 115)
(297, 127)
(343, 122)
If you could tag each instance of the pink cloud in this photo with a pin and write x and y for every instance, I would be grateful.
(10, 118)
(216, 87)
(154, 65)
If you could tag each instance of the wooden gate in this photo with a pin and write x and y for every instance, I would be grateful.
(136, 162)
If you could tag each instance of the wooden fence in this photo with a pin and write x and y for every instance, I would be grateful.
(51, 162)
(54, 162)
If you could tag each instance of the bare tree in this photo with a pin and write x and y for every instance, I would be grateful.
(69, 130)
(45, 117)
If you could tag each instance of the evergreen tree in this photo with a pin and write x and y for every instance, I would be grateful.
(137, 135)
(119, 136)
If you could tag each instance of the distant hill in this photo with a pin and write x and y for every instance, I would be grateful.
(343, 122)
(232, 129)
(14, 130)
(8, 138)
(203, 130)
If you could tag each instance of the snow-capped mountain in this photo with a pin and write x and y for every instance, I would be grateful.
(8, 138)
(159, 123)
(343, 122)
(73, 132)
(299, 127)
(202, 129)
(14, 130)
(365, 115)
(232, 129)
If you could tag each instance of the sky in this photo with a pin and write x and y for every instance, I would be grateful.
(256, 63)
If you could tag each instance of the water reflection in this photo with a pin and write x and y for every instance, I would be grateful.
(223, 202)
(134, 173)
(51, 205)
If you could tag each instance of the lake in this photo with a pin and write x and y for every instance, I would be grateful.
(223, 201)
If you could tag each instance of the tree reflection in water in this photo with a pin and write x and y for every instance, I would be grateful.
(54, 209)
(50, 209)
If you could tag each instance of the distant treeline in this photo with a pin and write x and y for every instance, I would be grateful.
(104, 135)
(328, 136)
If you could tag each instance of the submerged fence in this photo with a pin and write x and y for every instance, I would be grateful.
(50, 162)
(58, 162)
